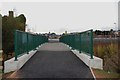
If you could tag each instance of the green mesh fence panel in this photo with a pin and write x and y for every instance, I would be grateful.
(83, 42)
(25, 42)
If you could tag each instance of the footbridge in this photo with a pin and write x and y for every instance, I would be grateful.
(70, 56)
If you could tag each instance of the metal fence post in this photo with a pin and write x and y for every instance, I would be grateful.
(91, 44)
(80, 43)
(27, 44)
(15, 45)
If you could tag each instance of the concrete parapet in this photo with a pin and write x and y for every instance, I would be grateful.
(12, 65)
(93, 63)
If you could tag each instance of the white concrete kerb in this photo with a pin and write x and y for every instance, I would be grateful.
(92, 73)
(92, 63)
(12, 65)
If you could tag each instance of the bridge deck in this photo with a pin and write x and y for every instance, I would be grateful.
(54, 60)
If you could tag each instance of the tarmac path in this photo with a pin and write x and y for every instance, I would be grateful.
(54, 60)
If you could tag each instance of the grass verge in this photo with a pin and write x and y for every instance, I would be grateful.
(104, 74)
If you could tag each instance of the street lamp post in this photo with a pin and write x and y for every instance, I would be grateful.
(115, 27)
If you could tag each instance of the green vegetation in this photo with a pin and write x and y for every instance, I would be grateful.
(109, 54)
(9, 25)
(106, 50)
(0, 71)
(0, 31)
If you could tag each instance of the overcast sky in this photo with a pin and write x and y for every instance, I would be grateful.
(66, 16)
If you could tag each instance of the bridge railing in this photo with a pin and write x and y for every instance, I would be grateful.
(25, 42)
(83, 42)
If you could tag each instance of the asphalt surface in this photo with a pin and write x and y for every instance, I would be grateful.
(52, 62)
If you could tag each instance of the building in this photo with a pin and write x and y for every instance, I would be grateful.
(11, 14)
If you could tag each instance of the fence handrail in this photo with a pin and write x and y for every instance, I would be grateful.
(25, 42)
(82, 41)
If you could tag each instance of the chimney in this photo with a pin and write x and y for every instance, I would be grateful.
(11, 14)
